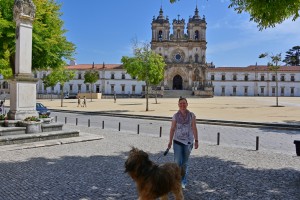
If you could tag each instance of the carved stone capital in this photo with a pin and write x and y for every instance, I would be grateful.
(24, 9)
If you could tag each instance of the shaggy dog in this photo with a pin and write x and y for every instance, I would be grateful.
(152, 180)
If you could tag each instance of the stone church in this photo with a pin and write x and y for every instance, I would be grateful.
(184, 52)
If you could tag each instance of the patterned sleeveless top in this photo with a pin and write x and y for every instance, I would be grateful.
(183, 130)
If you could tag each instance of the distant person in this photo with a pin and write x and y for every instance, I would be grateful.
(2, 106)
(78, 101)
(84, 102)
(115, 97)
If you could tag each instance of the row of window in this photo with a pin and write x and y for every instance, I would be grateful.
(196, 34)
(262, 90)
(246, 78)
(80, 76)
(79, 88)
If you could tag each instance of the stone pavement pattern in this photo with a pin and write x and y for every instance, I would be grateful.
(95, 170)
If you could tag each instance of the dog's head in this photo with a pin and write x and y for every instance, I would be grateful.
(137, 163)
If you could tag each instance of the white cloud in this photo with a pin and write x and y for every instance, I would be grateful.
(249, 35)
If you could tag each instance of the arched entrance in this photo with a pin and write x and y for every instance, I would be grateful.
(177, 82)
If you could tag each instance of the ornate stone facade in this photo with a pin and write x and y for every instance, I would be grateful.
(184, 53)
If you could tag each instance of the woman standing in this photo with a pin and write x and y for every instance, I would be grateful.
(183, 133)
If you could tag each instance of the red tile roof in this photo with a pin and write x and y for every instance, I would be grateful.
(253, 68)
(218, 69)
(96, 66)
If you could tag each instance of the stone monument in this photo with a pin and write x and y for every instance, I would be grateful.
(23, 85)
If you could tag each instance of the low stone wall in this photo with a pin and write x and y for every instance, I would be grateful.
(89, 95)
(47, 96)
(202, 93)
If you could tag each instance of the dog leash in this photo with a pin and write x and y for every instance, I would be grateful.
(165, 153)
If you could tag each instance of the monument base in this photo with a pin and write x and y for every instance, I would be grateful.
(22, 97)
(21, 114)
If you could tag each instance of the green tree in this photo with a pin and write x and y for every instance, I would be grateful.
(273, 66)
(146, 66)
(50, 81)
(61, 76)
(292, 56)
(91, 77)
(50, 47)
(266, 13)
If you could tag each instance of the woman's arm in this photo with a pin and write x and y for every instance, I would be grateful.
(195, 131)
(172, 131)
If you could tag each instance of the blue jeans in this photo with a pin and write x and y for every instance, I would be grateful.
(181, 157)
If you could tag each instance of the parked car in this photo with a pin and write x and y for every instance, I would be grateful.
(42, 110)
(70, 96)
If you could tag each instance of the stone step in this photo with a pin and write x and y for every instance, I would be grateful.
(34, 137)
(52, 127)
(5, 131)
(178, 93)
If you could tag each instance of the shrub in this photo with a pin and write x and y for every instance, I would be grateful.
(44, 116)
(2, 117)
(32, 118)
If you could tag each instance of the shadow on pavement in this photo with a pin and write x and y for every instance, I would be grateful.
(103, 177)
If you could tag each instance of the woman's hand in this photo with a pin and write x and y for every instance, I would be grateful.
(196, 144)
(170, 145)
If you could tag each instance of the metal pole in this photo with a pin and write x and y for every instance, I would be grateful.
(119, 126)
(65, 120)
(138, 129)
(76, 121)
(55, 118)
(218, 139)
(102, 124)
(89, 123)
(257, 143)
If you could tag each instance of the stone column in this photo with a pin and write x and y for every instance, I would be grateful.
(23, 85)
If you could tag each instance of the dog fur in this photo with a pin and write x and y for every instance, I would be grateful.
(152, 180)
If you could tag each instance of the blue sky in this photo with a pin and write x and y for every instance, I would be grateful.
(102, 30)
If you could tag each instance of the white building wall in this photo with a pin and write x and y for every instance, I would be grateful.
(104, 83)
(255, 85)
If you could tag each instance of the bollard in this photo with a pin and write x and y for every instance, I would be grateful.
(102, 124)
(89, 123)
(55, 118)
(119, 126)
(218, 139)
(65, 120)
(138, 129)
(76, 121)
(160, 131)
(257, 143)
(297, 145)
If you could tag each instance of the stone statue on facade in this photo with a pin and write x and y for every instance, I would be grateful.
(24, 8)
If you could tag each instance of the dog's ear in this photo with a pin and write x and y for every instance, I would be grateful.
(134, 150)
(132, 160)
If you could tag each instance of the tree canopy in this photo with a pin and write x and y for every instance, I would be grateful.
(91, 77)
(292, 56)
(59, 75)
(50, 47)
(146, 66)
(266, 13)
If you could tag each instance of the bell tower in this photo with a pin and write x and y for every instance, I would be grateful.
(197, 35)
(178, 28)
(160, 27)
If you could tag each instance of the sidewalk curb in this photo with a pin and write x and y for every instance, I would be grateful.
(83, 137)
(282, 126)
